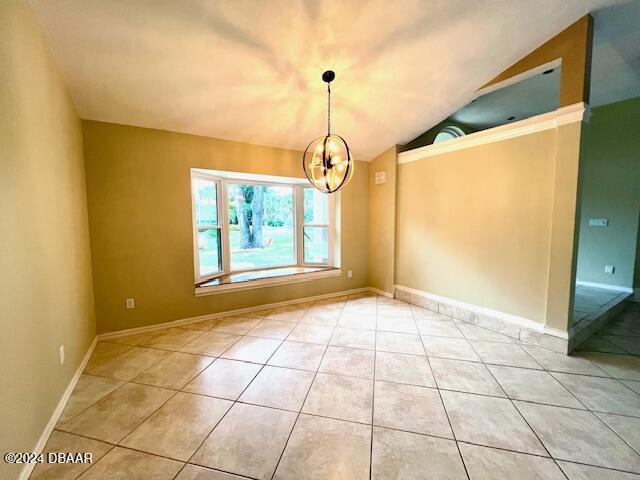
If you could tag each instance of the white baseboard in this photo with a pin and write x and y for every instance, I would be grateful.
(606, 286)
(42, 441)
(226, 313)
(380, 292)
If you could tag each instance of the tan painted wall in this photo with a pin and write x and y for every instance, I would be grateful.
(140, 216)
(475, 225)
(46, 297)
(382, 218)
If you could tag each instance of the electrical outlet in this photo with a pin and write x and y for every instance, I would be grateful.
(349, 274)
(610, 269)
(131, 303)
(61, 354)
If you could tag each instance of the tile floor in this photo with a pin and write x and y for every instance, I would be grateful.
(590, 299)
(353, 388)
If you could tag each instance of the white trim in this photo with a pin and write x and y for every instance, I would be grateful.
(577, 112)
(267, 282)
(27, 469)
(606, 286)
(381, 292)
(227, 313)
(553, 64)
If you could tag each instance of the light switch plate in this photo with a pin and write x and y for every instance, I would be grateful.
(131, 303)
(381, 177)
(610, 269)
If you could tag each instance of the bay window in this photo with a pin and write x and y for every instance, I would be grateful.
(250, 223)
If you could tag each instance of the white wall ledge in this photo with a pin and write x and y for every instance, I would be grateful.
(577, 112)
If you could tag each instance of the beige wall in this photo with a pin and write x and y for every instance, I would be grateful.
(382, 218)
(46, 297)
(475, 225)
(140, 215)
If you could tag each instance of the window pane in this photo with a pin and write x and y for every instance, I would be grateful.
(316, 207)
(210, 251)
(205, 192)
(261, 226)
(316, 245)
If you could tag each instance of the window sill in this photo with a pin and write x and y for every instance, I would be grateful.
(264, 278)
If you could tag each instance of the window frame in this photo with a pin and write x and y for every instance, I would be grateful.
(222, 209)
(197, 228)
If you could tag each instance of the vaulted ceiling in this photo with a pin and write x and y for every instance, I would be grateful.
(249, 70)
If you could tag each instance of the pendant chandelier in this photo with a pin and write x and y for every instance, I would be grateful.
(327, 161)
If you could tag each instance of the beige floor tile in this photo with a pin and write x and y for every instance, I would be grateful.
(420, 313)
(397, 324)
(455, 348)
(118, 413)
(362, 321)
(224, 379)
(305, 356)
(289, 313)
(438, 329)
(599, 344)
(272, 329)
(489, 464)
(409, 456)
(489, 421)
(353, 338)
(395, 310)
(464, 376)
(369, 308)
(87, 391)
(238, 325)
(403, 368)
(345, 398)
(174, 371)
(348, 361)
(277, 387)
(171, 338)
(533, 386)
(628, 428)
(574, 471)
(195, 472)
(626, 367)
(252, 349)
(322, 448)
(210, 343)
(204, 325)
(179, 427)
(68, 443)
(124, 464)
(311, 333)
(579, 436)
(557, 362)
(130, 363)
(399, 343)
(318, 315)
(105, 352)
(511, 355)
(135, 338)
(635, 386)
(410, 408)
(363, 297)
(248, 441)
(602, 394)
(630, 343)
(473, 332)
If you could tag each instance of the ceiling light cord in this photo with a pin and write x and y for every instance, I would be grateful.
(328, 108)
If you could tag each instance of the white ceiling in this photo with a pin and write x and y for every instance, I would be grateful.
(249, 70)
